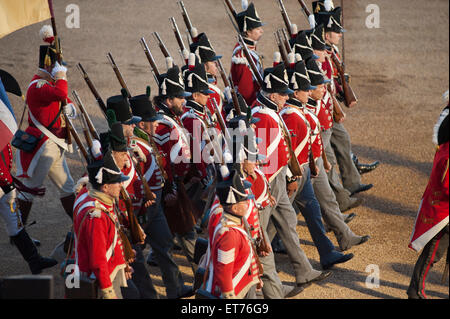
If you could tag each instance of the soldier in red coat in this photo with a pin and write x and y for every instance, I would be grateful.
(271, 129)
(172, 140)
(11, 214)
(45, 95)
(349, 166)
(231, 264)
(204, 51)
(196, 119)
(431, 229)
(99, 250)
(250, 25)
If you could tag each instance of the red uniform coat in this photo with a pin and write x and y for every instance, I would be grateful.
(232, 267)
(260, 188)
(99, 248)
(273, 145)
(5, 169)
(173, 145)
(43, 100)
(196, 122)
(434, 207)
(300, 130)
(242, 74)
(316, 138)
(218, 96)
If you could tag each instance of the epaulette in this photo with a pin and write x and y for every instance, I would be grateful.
(95, 213)
(41, 83)
(239, 60)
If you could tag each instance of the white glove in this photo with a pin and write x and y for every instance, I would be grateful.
(70, 111)
(59, 68)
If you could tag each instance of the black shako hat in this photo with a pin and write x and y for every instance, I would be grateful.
(47, 56)
(243, 106)
(299, 77)
(105, 171)
(276, 80)
(232, 190)
(117, 140)
(122, 110)
(248, 19)
(196, 80)
(318, 38)
(204, 50)
(142, 107)
(302, 45)
(171, 84)
(331, 20)
(315, 74)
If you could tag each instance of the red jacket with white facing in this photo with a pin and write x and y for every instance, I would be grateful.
(99, 248)
(273, 144)
(43, 99)
(242, 75)
(173, 145)
(300, 129)
(232, 265)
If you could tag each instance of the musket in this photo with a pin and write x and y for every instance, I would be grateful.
(285, 39)
(118, 73)
(228, 82)
(179, 39)
(284, 14)
(91, 86)
(222, 125)
(294, 165)
(78, 141)
(161, 45)
(234, 96)
(250, 60)
(338, 113)
(59, 58)
(187, 20)
(350, 98)
(230, 6)
(150, 59)
(305, 9)
(88, 120)
(281, 48)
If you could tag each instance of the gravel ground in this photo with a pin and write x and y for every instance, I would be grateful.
(399, 72)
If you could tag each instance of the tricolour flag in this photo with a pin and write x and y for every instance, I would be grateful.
(8, 125)
(17, 14)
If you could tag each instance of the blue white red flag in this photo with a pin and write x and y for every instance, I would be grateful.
(8, 124)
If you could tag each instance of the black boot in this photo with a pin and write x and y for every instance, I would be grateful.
(29, 252)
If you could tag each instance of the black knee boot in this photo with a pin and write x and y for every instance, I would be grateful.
(29, 252)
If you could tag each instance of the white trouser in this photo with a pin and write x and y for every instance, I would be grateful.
(52, 163)
(7, 211)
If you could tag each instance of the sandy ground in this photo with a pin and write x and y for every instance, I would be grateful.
(399, 72)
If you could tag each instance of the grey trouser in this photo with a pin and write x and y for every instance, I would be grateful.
(342, 195)
(284, 219)
(340, 142)
(161, 240)
(11, 218)
(329, 207)
(271, 281)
